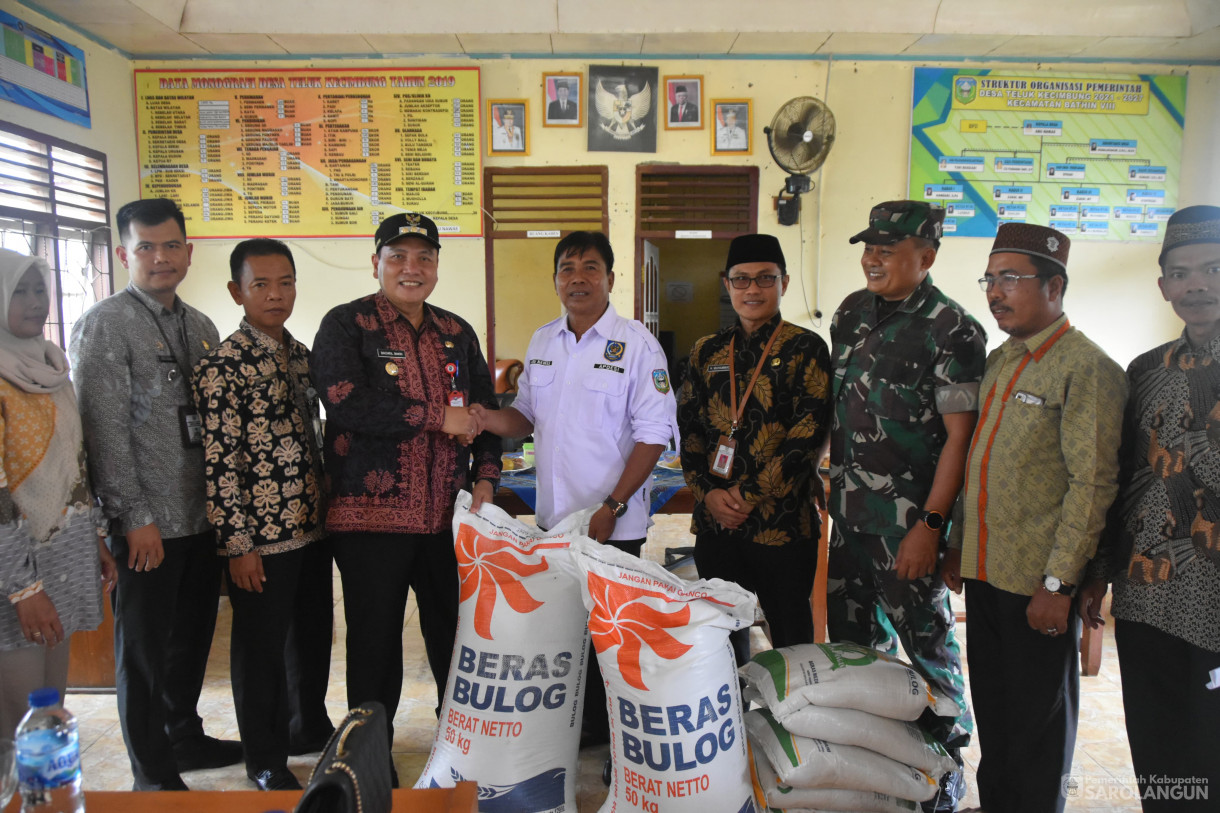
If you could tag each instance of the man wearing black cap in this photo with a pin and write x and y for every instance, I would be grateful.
(561, 108)
(680, 111)
(754, 414)
(397, 377)
(1041, 473)
(1161, 548)
(908, 360)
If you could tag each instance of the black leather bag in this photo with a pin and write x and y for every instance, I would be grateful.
(353, 774)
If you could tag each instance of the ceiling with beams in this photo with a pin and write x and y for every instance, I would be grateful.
(1177, 31)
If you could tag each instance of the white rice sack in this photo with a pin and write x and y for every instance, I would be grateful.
(900, 741)
(801, 762)
(676, 734)
(510, 719)
(779, 796)
(843, 676)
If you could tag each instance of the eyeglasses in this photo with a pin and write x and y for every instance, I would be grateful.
(1007, 282)
(763, 280)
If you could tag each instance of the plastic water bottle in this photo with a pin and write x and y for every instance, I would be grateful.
(48, 757)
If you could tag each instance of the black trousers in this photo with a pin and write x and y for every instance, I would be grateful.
(781, 576)
(378, 571)
(163, 624)
(1173, 718)
(1026, 691)
(595, 725)
(307, 656)
(280, 657)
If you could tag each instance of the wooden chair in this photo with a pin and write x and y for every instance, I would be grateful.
(507, 372)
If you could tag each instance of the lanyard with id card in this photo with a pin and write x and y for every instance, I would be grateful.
(456, 399)
(726, 447)
(190, 425)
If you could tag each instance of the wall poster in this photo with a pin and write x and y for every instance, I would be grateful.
(310, 152)
(1092, 156)
(43, 72)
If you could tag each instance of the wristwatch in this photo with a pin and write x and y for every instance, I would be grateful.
(617, 508)
(935, 520)
(1054, 585)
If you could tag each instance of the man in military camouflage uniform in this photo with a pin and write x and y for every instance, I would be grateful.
(907, 364)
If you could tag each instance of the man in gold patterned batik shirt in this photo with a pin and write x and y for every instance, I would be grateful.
(263, 464)
(1161, 548)
(1040, 475)
(754, 415)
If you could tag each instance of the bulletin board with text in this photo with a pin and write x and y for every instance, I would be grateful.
(1094, 156)
(311, 153)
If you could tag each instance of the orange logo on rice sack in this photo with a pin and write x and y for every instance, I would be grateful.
(620, 617)
(489, 566)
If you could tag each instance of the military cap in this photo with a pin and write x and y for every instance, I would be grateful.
(896, 220)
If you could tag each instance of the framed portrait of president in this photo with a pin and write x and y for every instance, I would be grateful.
(562, 104)
(683, 103)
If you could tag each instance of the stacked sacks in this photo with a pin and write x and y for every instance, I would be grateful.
(836, 730)
(677, 739)
(510, 719)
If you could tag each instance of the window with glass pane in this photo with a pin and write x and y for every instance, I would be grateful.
(54, 203)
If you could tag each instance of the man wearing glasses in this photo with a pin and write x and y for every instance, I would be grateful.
(1041, 474)
(754, 416)
(907, 365)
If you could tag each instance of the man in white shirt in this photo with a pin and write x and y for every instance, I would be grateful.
(507, 136)
(730, 136)
(596, 396)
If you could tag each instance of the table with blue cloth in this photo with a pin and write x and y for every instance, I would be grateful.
(518, 492)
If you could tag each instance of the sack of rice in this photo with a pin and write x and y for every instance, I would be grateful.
(677, 742)
(779, 796)
(510, 719)
(900, 741)
(801, 762)
(843, 676)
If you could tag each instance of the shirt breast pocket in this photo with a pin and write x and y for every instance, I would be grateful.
(898, 394)
(604, 391)
(1028, 419)
(540, 375)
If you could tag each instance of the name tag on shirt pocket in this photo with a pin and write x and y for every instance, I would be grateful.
(538, 374)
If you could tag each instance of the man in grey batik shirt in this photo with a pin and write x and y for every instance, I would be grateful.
(132, 356)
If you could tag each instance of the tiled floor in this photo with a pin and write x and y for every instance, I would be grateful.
(1102, 764)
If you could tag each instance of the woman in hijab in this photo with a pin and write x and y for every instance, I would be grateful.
(53, 564)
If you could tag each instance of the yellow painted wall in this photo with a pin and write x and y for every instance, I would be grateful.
(525, 293)
(1112, 296)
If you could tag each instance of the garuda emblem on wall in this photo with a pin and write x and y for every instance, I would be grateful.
(622, 115)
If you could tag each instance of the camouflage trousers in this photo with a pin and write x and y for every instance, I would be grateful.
(867, 604)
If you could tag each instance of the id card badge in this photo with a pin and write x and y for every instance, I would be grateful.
(456, 399)
(191, 425)
(722, 463)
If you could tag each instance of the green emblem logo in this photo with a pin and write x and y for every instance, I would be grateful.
(965, 89)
